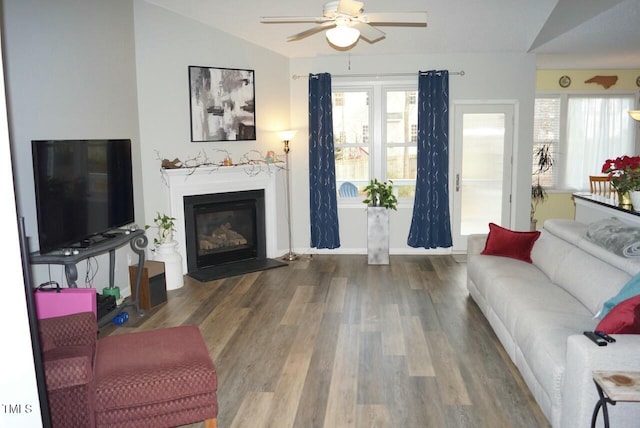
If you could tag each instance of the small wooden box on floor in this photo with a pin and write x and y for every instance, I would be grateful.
(153, 288)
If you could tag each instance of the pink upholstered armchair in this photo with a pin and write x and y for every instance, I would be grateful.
(157, 378)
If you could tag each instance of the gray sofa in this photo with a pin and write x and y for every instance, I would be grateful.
(539, 311)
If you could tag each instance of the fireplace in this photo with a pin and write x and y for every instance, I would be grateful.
(182, 183)
(222, 228)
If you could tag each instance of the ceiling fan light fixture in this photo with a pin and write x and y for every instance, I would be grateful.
(343, 36)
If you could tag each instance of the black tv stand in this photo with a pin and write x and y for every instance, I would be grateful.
(135, 238)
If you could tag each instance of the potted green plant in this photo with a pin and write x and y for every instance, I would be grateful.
(380, 194)
(379, 199)
(166, 226)
(543, 163)
(166, 250)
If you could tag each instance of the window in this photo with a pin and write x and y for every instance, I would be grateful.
(546, 132)
(597, 129)
(367, 147)
(401, 149)
(582, 132)
(351, 124)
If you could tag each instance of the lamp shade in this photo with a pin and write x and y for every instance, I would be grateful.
(343, 36)
(287, 135)
(635, 114)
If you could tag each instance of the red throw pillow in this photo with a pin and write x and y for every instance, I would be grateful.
(624, 318)
(509, 243)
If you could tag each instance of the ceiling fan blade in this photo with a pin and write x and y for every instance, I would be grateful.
(311, 31)
(285, 19)
(415, 18)
(369, 33)
(350, 7)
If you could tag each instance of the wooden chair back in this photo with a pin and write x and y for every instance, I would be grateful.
(601, 185)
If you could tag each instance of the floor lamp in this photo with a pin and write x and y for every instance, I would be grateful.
(286, 136)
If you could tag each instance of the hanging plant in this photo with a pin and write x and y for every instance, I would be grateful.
(544, 162)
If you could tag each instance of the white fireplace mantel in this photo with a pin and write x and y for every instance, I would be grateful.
(208, 180)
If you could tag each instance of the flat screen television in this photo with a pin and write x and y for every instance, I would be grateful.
(84, 189)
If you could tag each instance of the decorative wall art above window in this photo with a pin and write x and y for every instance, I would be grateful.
(565, 81)
(222, 104)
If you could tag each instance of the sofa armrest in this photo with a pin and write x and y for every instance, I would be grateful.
(68, 366)
(69, 330)
(70, 385)
(475, 244)
(579, 394)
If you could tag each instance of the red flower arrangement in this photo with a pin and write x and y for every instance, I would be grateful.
(624, 172)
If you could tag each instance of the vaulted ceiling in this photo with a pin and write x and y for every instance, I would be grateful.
(562, 33)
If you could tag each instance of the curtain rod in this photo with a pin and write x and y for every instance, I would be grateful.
(453, 73)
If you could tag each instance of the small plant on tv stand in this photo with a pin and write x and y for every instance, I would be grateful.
(165, 226)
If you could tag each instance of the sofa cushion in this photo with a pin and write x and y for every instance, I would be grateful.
(508, 243)
(629, 265)
(510, 299)
(569, 230)
(631, 288)
(624, 318)
(485, 270)
(542, 337)
(126, 378)
(549, 252)
(589, 279)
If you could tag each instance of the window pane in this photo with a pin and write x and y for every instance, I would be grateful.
(598, 128)
(351, 135)
(402, 115)
(546, 132)
(351, 117)
(482, 171)
(402, 134)
(352, 164)
(402, 162)
(401, 169)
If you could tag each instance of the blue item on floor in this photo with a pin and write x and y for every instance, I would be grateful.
(121, 318)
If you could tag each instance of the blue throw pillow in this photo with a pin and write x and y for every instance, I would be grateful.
(631, 288)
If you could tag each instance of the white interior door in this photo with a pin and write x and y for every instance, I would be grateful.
(483, 146)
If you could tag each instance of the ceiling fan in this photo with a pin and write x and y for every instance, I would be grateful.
(346, 21)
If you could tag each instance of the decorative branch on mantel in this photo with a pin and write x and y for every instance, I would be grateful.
(253, 163)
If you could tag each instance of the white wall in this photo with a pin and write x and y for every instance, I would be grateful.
(166, 45)
(18, 389)
(487, 77)
(70, 69)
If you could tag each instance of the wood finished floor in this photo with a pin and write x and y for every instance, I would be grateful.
(329, 341)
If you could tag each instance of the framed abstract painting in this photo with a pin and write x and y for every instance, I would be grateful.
(222, 104)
